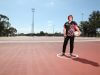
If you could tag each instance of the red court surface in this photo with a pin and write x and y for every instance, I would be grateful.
(40, 58)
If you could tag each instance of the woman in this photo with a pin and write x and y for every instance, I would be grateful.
(69, 28)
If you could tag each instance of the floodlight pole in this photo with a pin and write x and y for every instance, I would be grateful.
(53, 29)
(33, 10)
(82, 16)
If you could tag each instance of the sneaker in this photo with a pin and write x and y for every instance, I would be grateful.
(72, 55)
(63, 54)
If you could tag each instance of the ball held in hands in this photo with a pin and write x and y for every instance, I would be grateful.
(76, 33)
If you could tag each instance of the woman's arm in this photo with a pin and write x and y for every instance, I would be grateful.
(64, 31)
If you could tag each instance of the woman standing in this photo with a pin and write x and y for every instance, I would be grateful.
(69, 28)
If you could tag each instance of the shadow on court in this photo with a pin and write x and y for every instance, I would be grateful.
(86, 61)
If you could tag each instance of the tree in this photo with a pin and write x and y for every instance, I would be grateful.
(42, 33)
(84, 26)
(94, 20)
(89, 28)
(5, 26)
(12, 31)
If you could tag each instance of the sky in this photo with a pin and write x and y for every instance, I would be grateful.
(48, 15)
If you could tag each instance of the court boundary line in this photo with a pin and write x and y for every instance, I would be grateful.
(67, 56)
(46, 41)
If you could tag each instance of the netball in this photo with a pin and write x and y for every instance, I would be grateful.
(76, 33)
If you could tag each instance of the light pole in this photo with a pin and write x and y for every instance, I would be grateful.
(53, 29)
(33, 10)
(82, 16)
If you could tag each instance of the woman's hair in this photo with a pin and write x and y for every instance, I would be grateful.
(70, 16)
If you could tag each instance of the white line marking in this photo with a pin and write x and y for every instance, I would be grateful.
(67, 56)
(44, 41)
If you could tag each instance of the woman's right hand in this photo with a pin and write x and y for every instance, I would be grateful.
(65, 35)
(64, 31)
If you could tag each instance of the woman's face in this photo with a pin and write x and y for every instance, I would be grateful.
(70, 18)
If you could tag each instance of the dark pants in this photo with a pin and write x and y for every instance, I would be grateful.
(66, 42)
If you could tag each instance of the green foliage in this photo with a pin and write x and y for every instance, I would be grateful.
(5, 26)
(42, 33)
(89, 28)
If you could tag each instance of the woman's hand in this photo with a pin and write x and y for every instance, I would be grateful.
(64, 31)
